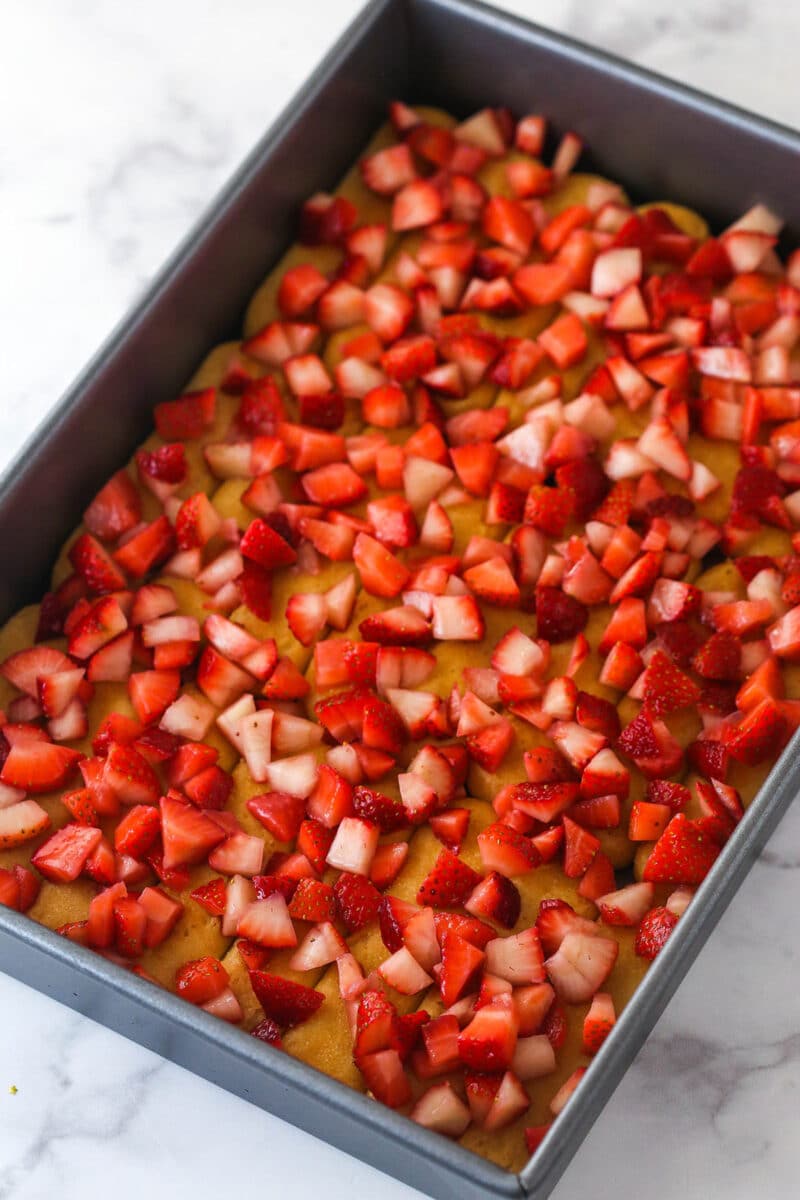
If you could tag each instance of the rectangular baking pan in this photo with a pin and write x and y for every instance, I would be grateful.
(662, 141)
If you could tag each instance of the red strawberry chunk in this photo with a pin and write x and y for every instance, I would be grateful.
(449, 883)
(115, 509)
(95, 566)
(683, 854)
(265, 547)
(654, 931)
(558, 617)
(382, 574)
(666, 688)
(64, 855)
(201, 980)
(211, 896)
(357, 899)
(506, 851)
(38, 766)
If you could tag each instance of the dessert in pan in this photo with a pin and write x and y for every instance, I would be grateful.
(394, 700)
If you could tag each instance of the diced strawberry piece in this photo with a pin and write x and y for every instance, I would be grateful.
(385, 1078)
(100, 926)
(381, 573)
(598, 1022)
(509, 223)
(497, 899)
(267, 923)
(187, 417)
(357, 899)
(565, 340)
(506, 851)
(626, 906)
(278, 812)
(137, 831)
(652, 747)
(211, 897)
(37, 766)
(475, 465)
(26, 667)
(387, 171)
(197, 522)
(581, 966)
(115, 509)
(263, 545)
(130, 777)
(683, 854)
(580, 849)
(648, 821)
(757, 737)
(312, 901)
(166, 465)
(460, 963)
(386, 407)
(102, 622)
(598, 812)
(130, 926)
(666, 688)
(188, 834)
(450, 827)
(388, 814)
(654, 931)
(152, 692)
(449, 883)
(64, 855)
(162, 913)
(201, 980)
(457, 618)
(144, 550)
(489, 1041)
(300, 288)
(416, 204)
(559, 617)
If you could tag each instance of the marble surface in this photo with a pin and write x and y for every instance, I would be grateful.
(122, 120)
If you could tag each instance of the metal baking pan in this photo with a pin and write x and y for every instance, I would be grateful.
(662, 141)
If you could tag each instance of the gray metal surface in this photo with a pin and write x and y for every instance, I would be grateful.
(662, 141)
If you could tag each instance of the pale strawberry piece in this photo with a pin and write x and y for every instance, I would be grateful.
(441, 1109)
(581, 966)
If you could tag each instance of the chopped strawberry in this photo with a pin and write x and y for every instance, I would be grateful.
(187, 417)
(559, 617)
(683, 854)
(265, 547)
(64, 855)
(38, 766)
(201, 980)
(357, 899)
(152, 692)
(115, 509)
(666, 688)
(416, 204)
(598, 1022)
(653, 932)
(95, 566)
(211, 896)
(506, 851)
(490, 1039)
(449, 883)
(188, 834)
(137, 831)
(382, 574)
(497, 899)
(312, 901)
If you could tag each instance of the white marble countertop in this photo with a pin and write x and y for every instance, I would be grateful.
(122, 121)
